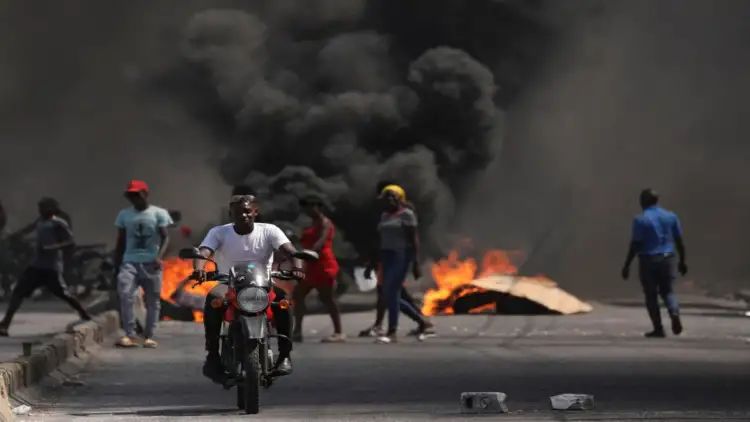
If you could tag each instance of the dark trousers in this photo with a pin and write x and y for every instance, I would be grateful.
(396, 265)
(657, 274)
(34, 278)
(407, 304)
(212, 318)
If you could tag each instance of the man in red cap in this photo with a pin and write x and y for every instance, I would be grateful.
(142, 240)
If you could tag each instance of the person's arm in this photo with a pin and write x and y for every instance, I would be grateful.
(25, 230)
(119, 247)
(164, 242)
(287, 251)
(164, 221)
(632, 249)
(680, 246)
(412, 237)
(325, 230)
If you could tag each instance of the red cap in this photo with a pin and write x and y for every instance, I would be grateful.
(137, 186)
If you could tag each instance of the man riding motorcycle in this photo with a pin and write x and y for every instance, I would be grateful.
(244, 240)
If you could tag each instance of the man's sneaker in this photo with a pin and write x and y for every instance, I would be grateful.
(374, 331)
(334, 338)
(386, 339)
(213, 369)
(676, 325)
(85, 316)
(283, 367)
(655, 334)
(126, 342)
(150, 343)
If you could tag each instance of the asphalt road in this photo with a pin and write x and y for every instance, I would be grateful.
(703, 375)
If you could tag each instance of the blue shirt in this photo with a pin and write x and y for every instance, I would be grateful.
(654, 231)
(142, 232)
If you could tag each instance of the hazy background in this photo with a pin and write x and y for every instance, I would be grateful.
(527, 125)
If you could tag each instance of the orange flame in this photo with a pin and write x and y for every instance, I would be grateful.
(175, 271)
(451, 273)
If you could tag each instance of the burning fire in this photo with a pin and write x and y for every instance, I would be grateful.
(175, 271)
(452, 275)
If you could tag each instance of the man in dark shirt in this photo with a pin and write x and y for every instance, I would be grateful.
(656, 234)
(53, 235)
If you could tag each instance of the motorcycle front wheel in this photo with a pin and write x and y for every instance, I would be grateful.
(248, 391)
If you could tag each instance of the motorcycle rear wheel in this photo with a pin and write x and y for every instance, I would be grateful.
(248, 391)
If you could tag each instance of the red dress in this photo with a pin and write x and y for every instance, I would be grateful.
(323, 272)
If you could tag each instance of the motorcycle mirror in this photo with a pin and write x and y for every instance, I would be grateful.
(306, 255)
(190, 253)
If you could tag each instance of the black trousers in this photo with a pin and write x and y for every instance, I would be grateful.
(657, 274)
(34, 278)
(212, 318)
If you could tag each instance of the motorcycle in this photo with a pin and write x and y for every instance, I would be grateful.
(247, 328)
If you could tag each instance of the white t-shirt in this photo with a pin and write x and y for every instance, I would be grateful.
(257, 247)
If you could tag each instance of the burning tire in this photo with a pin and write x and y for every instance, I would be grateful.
(248, 391)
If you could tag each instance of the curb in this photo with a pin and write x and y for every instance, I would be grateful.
(26, 371)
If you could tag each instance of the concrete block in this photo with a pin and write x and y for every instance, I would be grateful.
(572, 402)
(488, 402)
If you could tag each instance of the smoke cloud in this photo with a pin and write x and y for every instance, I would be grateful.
(637, 94)
(331, 103)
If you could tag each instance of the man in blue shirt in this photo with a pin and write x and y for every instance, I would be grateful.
(142, 240)
(656, 236)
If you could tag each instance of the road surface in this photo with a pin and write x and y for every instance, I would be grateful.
(702, 375)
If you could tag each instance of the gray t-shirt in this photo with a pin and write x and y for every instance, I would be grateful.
(49, 232)
(391, 228)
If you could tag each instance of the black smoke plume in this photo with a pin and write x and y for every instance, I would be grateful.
(329, 97)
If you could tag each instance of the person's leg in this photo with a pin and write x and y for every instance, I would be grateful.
(395, 265)
(150, 280)
(668, 273)
(380, 307)
(650, 292)
(126, 291)
(283, 322)
(212, 318)
(299, 295)
(56, 284)
(326, 296)
(26, 284)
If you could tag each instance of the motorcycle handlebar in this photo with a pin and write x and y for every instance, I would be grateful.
(284, 275)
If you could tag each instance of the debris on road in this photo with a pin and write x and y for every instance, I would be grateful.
(572, 402)
(492, 402)
(21, 410)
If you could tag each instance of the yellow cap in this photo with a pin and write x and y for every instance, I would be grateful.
(396, 190)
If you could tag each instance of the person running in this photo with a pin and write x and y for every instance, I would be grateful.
(399, 253)
(656, 235)
(319, 275)
(142, 240)
(243, 241)
(53, 235)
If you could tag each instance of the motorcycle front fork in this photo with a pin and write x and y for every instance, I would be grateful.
(228, 352)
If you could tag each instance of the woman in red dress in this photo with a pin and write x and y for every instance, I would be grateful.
(321, 274)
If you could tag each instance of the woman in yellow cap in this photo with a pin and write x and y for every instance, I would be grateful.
(399, 252)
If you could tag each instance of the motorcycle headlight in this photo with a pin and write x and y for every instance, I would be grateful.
(252, 300)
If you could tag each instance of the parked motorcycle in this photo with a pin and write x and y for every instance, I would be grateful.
(247, 327)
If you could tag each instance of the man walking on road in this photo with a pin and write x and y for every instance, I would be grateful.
(656, 235)
(53, 235)
(142, 240)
